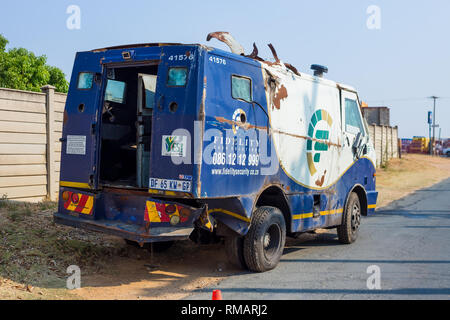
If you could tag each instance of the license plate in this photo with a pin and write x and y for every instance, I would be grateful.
(170, 185)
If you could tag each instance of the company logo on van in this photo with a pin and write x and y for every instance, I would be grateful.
(174, 146)
(319, 134)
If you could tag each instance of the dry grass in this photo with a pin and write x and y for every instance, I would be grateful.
(34, 252)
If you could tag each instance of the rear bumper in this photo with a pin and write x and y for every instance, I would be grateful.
(132, 216)
(124, 230)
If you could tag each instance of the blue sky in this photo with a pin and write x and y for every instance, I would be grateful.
(399, 65)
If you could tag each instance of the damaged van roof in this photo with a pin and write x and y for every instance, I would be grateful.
(235, 48)
(143, 45)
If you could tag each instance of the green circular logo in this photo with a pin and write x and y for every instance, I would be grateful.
(319, 135)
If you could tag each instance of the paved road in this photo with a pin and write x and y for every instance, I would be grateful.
(409, 240)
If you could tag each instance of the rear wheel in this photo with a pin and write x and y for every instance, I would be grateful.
(234, 247)
(348, 231)
(264, 242)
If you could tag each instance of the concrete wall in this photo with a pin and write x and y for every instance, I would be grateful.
(385, 141)
(379, 116)
(30, 128)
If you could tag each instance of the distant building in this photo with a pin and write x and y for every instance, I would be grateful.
(377, 115)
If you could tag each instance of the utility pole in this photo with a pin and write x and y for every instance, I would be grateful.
(434, 121)
(430, 123)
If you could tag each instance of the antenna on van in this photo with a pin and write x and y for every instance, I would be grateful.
(228, 39)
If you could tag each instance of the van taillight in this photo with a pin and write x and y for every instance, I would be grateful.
(75, 198)
(170, 209)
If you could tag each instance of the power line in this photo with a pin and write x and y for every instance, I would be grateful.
(403, 99)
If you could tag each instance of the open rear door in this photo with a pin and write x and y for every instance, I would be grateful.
(79, 149)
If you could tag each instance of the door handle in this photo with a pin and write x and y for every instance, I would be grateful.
(93, 128)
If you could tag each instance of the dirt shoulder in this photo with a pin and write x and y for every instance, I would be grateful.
(412, 172)
(35, 253)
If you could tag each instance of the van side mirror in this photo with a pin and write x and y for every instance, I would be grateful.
(357, 143)
(359, 146)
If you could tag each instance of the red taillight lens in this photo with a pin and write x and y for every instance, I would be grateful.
(171, 209)
(75, 198)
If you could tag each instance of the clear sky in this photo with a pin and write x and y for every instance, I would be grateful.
(398, 65)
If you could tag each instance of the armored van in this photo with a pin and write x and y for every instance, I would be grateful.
(165, 142)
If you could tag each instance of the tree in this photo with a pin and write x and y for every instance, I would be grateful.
(23, 70)
(3, 43)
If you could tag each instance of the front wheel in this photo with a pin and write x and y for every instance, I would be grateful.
(348, 231)
(264, 242)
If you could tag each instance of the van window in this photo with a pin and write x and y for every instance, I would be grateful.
(353, 122)
(115, 91)
(177, 77)
(85, 80)
(241, 88)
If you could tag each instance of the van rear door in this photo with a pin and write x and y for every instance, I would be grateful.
(175, 111)
(79, 151)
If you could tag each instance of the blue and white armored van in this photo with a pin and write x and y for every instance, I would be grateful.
(165, 142)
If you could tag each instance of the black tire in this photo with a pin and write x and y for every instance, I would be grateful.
(348, 231)
(234, 248)
(264, 242)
